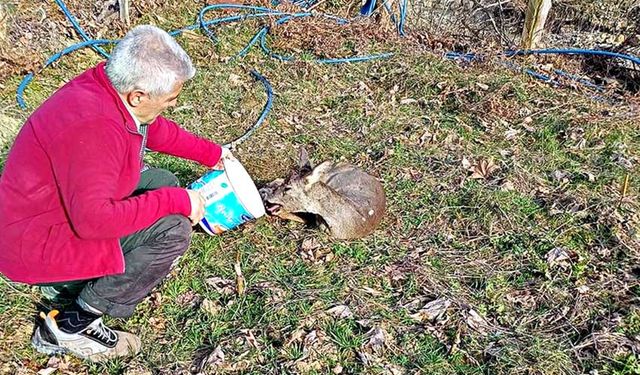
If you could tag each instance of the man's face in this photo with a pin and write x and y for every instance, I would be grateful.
(146, 108)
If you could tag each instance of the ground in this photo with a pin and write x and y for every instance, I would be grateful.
(510, 245)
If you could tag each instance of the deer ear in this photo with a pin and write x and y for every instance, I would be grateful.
(304, 165)
(317, 174)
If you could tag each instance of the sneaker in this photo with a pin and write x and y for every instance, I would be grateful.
(96, 342)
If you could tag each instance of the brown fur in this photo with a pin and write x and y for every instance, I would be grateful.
(350, 201)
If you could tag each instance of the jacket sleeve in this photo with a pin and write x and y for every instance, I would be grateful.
(168, 137)
(86, 167)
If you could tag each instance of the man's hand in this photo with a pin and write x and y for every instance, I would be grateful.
(226, 154)
(197, 206)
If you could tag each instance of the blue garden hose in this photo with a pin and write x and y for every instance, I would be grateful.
(204, 25)
(263, 115)
(260, 37)
(403, 16)
(79, 29)
(265, 30)
(369, 6)
(468, 57)
(592, 52)
(29, 77)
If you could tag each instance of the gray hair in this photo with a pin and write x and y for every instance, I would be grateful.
(150, 60)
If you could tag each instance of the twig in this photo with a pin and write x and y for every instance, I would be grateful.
(624, 189)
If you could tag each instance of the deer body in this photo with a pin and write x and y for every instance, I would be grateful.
(350, 201)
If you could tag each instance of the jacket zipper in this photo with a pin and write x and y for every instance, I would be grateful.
(143, 132)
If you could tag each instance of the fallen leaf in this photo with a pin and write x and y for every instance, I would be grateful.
(340, 311)
(337, 369)
(311, 338)
(54, 362)
(366, 359)
(158, 324)
(371, 291)
(507, 186)
(511, 134)
(558, 257)
(466, 164)
(222, 286)
(393, 370)
(476, 322)
(329, 257)
(408, 101)
(377, 340)
(251, 339)
(296, 336)
(415, 303)
(590, 176)
(210, 307)
(310, 243)
(212, 361)
(47, 371)
(560, 176)
(505, 153)
(188, 299)
(432, 311)
(484, 169)
(482, 86)
(582, 289)
(310, 342)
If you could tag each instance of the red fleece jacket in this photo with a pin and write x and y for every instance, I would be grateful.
(65, 189)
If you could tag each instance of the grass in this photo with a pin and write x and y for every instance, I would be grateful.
(481, 243)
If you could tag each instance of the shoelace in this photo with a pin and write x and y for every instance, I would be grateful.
(103, 332)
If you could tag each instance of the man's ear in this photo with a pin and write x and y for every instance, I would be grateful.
(135, 98)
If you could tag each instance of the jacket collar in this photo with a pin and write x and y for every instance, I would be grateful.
(103, 80)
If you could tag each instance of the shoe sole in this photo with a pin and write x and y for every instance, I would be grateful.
(42, 346)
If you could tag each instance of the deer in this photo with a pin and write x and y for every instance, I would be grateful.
(340, 197)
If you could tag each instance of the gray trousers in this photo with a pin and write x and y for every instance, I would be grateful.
(148, 256)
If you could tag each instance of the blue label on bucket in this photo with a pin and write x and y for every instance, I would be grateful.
(223, 210)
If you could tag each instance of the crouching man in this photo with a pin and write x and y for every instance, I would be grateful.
(80, 213)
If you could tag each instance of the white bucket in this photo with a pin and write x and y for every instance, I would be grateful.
(231, 197)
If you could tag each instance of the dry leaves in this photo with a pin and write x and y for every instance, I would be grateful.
(210, 307)
(158, 323)
(377, 340)
(340, 312)
(507, 186)
(211, 362)
(274, 292)
(371, 353)
(311, 250)
(511, 134)
(559, 257)
(222, 286)
(480, 170)
(477, 322)
(432, 311)
(188, 299)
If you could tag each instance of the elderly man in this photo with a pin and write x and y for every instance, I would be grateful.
(79, 211)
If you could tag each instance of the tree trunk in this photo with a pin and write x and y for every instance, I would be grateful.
(124, 11)
(537, 11)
